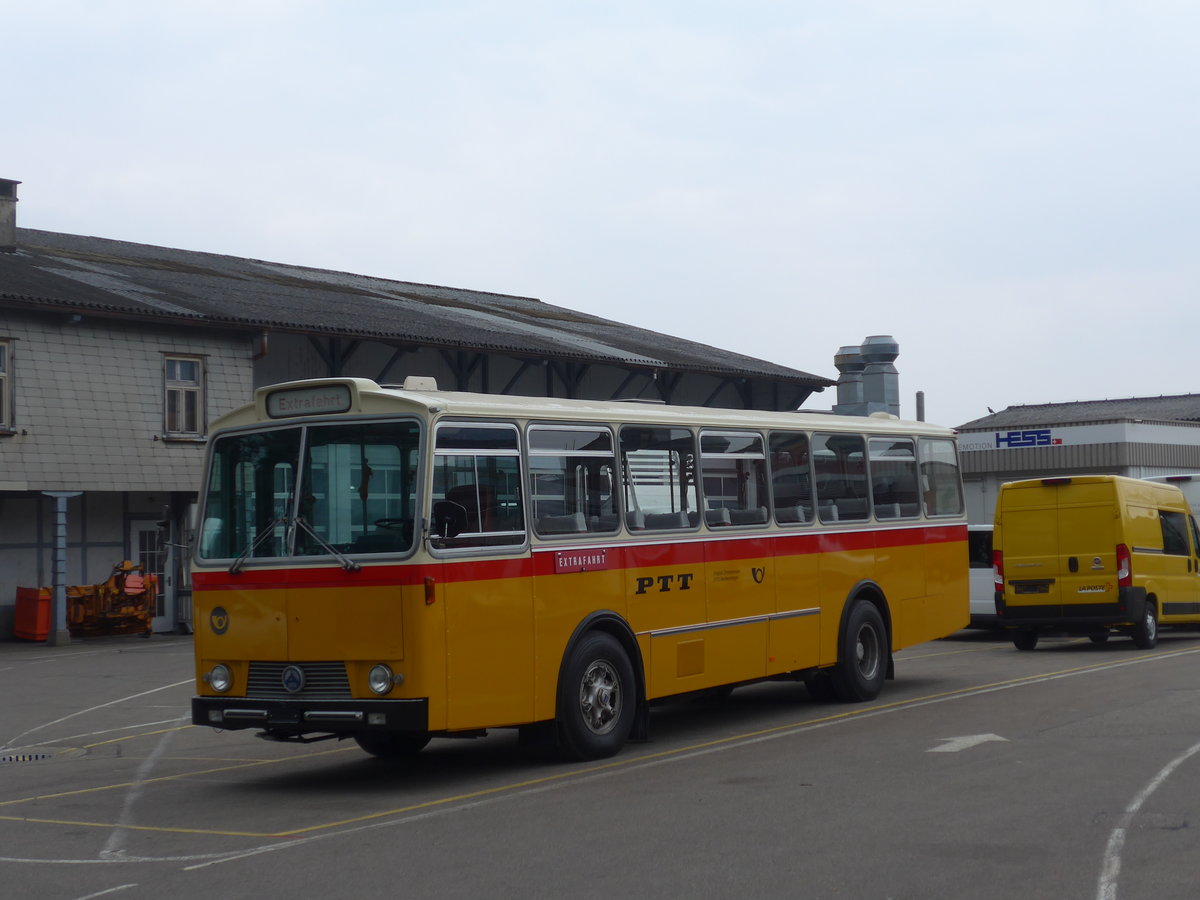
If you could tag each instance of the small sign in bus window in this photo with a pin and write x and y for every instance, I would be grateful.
(332, 398)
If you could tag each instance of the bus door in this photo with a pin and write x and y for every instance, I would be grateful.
(477, 517)
(739, 569)
(665, 575)
(357, 496)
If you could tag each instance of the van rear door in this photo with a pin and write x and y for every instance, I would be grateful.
(1029, 530)
(1089, 520)
(1054, 532)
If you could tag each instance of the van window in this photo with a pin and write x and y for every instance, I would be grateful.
(979, 549)
(1174, 532)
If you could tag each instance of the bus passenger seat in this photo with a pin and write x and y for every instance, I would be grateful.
(667, 520)
(716, 517)
(604, 523)
(571, 523)
(754, 516)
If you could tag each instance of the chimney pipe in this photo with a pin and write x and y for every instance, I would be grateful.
(881, 381)
(850, 364)
(8, 215)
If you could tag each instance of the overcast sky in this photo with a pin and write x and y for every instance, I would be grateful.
(1010, 189)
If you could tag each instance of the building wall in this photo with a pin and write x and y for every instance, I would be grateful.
(1134, 449)
(88, 402)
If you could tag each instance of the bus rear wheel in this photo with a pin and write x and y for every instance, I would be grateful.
(862, 655)
(596, 699)
(392, 746)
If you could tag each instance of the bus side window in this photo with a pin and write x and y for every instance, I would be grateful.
(659, 474)
(841, 477)
(941, 483)
(733, 467)
(571, 480)
(477, 497)
(791, 478)
(894, 491)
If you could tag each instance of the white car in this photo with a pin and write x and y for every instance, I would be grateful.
(983, 587)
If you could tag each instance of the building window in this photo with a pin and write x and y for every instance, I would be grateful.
(6, 416)
(184, 400)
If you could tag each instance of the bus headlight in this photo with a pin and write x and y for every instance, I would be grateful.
(219, 678)
(380, 679)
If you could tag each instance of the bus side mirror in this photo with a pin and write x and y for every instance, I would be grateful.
(449, 518)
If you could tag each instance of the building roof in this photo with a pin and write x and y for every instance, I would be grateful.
(1176, 408)
(97, 276)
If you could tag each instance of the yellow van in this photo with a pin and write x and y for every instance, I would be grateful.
(1094, 555)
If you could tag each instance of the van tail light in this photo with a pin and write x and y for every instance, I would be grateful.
(998, 569)
(1124, 567)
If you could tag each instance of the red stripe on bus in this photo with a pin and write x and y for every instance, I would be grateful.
(626, 556)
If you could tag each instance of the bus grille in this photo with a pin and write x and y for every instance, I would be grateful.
(322, 681)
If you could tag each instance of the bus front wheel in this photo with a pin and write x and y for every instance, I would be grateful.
(862, 655)
(392, 746)
(596, 699)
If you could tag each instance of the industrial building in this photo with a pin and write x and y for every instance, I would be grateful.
(1138, 437)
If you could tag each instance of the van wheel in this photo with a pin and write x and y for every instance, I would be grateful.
(392, 746)
(1145, 632)
(596, 699)
(1025, 638)
(862, 656)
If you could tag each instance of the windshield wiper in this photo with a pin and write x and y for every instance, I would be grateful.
(236, 565)
(347, 563)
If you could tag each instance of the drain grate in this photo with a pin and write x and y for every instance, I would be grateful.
(25, 757)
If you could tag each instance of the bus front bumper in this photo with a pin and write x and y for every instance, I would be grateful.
(299, 717)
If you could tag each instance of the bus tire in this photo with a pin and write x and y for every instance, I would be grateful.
(862, 655)
(392, 746)
(1145, 632)
(596, 698)
(1025, 638)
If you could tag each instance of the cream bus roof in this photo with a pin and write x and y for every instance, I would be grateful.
(314, 398)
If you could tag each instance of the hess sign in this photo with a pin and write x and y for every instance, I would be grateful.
(313, 401)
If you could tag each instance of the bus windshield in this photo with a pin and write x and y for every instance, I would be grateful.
(354, 491)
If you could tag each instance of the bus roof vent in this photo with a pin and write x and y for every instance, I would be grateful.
(419, 383)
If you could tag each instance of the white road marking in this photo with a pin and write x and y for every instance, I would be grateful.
(12, 742)
(114, 846)
(112, 890)
(1111, 870)
(966, 742)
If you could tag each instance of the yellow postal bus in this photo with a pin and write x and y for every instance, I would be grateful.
(395, 563)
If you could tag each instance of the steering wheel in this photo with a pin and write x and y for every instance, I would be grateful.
(391, 524)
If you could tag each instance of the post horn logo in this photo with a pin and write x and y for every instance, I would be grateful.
(218, 620)
(758, 574)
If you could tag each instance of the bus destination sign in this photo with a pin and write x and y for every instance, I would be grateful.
(313, 401)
